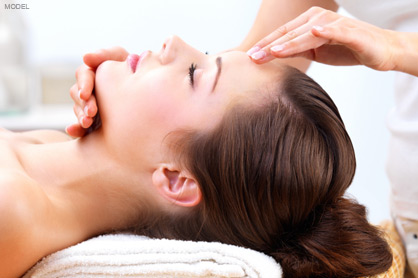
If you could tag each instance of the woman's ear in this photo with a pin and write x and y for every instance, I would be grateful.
(177, 186)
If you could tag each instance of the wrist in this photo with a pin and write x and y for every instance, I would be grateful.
(406, 56)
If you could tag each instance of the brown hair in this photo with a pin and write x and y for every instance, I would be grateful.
(273, 179)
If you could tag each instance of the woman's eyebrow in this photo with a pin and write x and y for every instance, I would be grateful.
(219, 65)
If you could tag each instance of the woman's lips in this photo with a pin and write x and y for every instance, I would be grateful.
(134, 60)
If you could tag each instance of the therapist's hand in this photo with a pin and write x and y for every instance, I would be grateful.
(327, 37)
(85, 106)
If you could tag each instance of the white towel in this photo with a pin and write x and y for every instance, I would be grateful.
(126, 255)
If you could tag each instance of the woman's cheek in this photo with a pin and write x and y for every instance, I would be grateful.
(162, 110)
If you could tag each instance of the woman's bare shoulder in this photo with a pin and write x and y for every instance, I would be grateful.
(13, 186)
(21, 206)
(46, 136)
(40, 136)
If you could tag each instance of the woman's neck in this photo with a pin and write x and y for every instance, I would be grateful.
(87, 183)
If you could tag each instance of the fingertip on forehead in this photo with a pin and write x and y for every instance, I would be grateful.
(275, 66)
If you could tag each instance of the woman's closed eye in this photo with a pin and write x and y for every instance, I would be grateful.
(192, 69)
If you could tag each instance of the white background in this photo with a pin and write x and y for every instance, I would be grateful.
(63, 30)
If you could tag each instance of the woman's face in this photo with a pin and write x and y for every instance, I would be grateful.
(141, 102)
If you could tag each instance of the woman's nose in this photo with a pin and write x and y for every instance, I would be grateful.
(171, 49)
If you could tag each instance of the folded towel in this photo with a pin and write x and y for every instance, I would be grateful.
(126, 255)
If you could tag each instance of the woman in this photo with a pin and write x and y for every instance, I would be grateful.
(198, 147)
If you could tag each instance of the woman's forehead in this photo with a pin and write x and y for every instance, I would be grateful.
(239, 70)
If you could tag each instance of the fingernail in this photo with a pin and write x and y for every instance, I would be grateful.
(277, 48)
(259, 55)
(79, 94)
(86, 110)
(318, 28)
(253, 50)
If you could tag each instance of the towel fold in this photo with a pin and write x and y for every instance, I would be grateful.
(126, 255)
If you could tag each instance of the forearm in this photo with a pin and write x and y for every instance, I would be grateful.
(406, 57)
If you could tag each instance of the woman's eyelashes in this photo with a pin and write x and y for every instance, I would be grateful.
(192, 69)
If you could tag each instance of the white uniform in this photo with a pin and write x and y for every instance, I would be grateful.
(402, 121)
